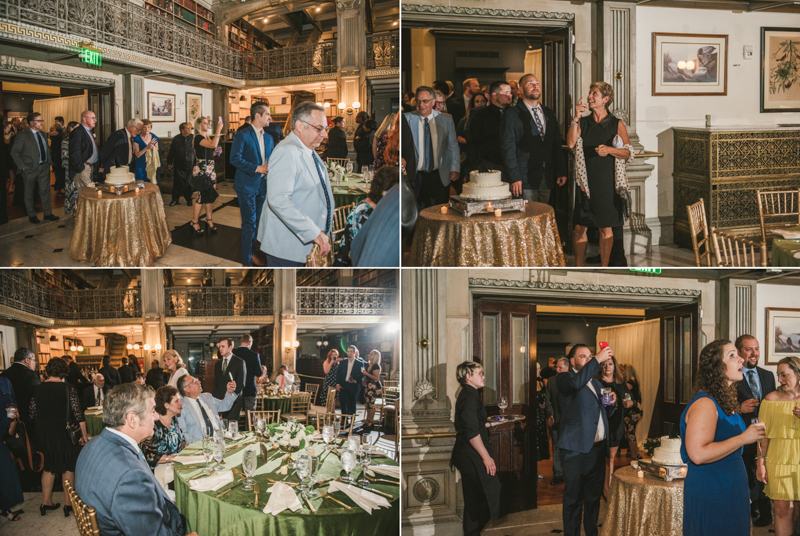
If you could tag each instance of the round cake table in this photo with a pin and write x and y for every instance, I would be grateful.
(120, 230)
(94, 422)
(522, 238)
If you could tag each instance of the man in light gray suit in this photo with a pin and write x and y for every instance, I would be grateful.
(200, 412)
(438, 157)
(113, 477)
(32, 157)
(298, 212)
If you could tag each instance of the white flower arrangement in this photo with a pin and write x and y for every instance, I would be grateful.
(290, 434)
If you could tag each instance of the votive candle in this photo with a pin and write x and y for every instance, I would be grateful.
(640, 474)
(444, 210)
(284, 470)
(136, 190)
(99, 193)
(498, 213)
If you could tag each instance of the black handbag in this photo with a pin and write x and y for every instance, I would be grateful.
(200, 182)
(73, 429)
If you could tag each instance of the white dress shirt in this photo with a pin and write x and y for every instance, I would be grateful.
(127, 438)
(195, 404)
(434, 141)
(261, 148)
(95, 154)
(98, 396)
(539, 113)
(349, 369)
(600, 434)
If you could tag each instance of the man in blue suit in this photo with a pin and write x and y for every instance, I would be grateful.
(253, 370)
(583, 438)
(438, 156)
(200, 413)
(113, 477)
(250, 152)
(348, 380)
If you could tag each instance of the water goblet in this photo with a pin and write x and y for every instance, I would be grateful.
(353, 442)
(219, 454)
(261, 424)
(348, 464)
(314, 474)
(327, 436)
(249, 462)
(364, 459)
(219, 435)
(349, 167)
(208, 449)
(303, 468)
(233, 427)
(337, 427)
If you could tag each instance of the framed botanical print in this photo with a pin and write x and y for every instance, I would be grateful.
(690, 64)
(194, 107)
(160, 107)
(782, 333)
(780, 70)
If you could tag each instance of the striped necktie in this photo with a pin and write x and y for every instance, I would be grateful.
(428, 147)
(320, 167)
(538, 121)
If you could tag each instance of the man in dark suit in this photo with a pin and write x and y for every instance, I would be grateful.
(110, 373)
(24, 380)
(56, 136)
(32, 158)
(83, 152)
(755, 386)
(583, 438)
(349, 375)
(247, 122)
(75, 376)
(554, 417)
(531, 145)
(250, 153)
(181, 155)
(111, 470)
(95, 395)
(337, 139)
(456, 105)
(483, 139)
(126, 373)
(155, 376)
(120, 149)
(252, 361)
(229, 368)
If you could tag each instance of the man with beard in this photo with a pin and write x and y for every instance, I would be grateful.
(483, 138)
(531, 145)
(755, 386)
(457, 104)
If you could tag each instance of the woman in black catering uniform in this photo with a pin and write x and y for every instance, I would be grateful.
(472, 453)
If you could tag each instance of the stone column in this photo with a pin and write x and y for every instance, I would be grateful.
(429, 486)
(153, 328)
(285, 319)
(351, 46)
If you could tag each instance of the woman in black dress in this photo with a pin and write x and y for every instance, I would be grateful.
(472, 453)
(329, 366)
(598, 203)
(372, 379)
(542, 438)
(52, 404)
(204, 149)
(612, 379)
(633, 414)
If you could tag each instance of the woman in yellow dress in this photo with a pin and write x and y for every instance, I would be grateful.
(779, 469)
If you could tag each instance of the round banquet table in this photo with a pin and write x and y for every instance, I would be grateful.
(234, 514)
(784, 251)
(120, 230)
(271, 403)
(645, 506)
(94, 423)
(349, 191)
(522, 238)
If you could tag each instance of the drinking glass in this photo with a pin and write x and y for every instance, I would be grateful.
(303, 468)
(219, 435)
(11, 410)
(208, 449)
(233, 427)
(327, 435)
(249, 463)
(314, 474)
(349, 459)
(219, 454)
(605, 393)
(503, 404)
(353, 442)
(261, 425)
(349, 167)
(760, 455)
(364, 459)
(337, 427)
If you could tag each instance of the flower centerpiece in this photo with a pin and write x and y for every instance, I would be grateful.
(290, 437)
(651, 444)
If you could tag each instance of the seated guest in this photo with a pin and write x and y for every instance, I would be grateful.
(110, 373)
(113, 477)
(385, 178)
(155, 376)
(201, 415)
(167, 439)
(95, 395)
(126, 373)
(141, 379)
(283, 378)
(376, 242)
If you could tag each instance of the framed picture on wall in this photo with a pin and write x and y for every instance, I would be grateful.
(780, 70)
(194, 107)
(690, 64)
(160, 107)
(782, 333)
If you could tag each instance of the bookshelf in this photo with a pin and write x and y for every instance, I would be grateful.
(375, 278)
(243, 36)
(59, 279)
(187, 12)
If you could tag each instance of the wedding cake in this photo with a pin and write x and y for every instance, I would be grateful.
(669, 453)
(485, 186)
(119, 176)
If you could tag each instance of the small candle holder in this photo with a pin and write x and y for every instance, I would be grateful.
(284, 470)
(489, 206)
(99, 193)
(640, 473)
(497, 213)
(136, 190)
(444, 210)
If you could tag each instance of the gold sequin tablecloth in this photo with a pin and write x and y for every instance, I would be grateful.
(645, 506)
(120, 230)
(528, 238)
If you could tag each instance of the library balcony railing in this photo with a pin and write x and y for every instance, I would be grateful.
(346, 301)
(383, 50)
(218, 301)
(289, 62)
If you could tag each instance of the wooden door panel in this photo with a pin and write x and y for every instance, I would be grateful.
(101, 102)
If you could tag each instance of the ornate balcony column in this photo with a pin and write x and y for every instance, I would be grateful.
(351, 56)
(153, 328)
(285, 319)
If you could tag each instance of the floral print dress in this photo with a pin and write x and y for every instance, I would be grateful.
(373, 390)
(166, 440)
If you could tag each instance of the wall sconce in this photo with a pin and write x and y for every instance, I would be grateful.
(158, 346)
(289, 345)
(80, 348)
(130, 346)
(135, 346)
(73, 348)
(319, 104)
(146, 347)
(356, 105)
(326, 105)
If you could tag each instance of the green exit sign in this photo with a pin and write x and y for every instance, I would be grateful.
(90, 56)
(647, 270)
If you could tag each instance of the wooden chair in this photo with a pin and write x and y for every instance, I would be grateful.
(300, 405)
(337, 227)
(731, 250)
(390, 407)
(269, 416)
(312, 388)
(85, 516)
(341, 161)
(778, 209)
(391, 438)
(638, 226)
(698, 225)
(329, 418)
(330, 403)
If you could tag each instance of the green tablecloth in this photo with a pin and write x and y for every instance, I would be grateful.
(234, 513)
(783, 252)
(275, 404)
(94, 424)
(345, 192)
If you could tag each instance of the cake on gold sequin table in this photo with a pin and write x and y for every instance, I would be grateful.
(526, 238)
(643, 506)
(120, 230)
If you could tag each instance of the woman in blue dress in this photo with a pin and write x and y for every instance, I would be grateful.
(167, 439)
(147, 160)
(716, 496)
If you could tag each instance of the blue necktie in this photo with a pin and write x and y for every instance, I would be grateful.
(753, 385)
(538, 123)
(206, 418)
(329, 218)
(428, 148)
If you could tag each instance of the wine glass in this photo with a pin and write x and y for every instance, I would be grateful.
(503, 404)
(303, 468)
(337, 427)
(249, 462)
(760, 455)
(208, 449)
(261, 424)
(364, 459)
(219, 454)
(349, 167)
(349, 459)
(327, 435)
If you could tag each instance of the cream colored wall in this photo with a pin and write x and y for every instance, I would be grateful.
(423, 55)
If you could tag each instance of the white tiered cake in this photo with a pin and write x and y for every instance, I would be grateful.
(669, 453)
(119, 176)
(485, 186)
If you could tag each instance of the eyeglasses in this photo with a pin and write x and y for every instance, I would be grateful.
(315, 127)
(424, 101)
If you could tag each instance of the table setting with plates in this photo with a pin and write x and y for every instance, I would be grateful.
(786, 247)
(348, 187)
(344, 487)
